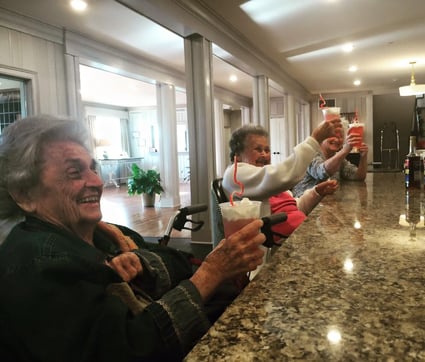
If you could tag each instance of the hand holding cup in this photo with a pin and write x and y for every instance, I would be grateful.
(327, 129)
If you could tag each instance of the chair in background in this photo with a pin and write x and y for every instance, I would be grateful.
(217, 186)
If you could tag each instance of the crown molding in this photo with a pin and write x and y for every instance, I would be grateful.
(26, 25)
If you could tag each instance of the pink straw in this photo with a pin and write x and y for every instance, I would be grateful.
(235, 180)
(322, 101)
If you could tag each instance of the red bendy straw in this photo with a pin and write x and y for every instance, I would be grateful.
(235, 180)
(322, 101)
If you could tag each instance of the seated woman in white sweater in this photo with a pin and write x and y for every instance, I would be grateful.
(268, 183)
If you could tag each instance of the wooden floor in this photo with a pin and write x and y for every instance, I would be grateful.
(151, 222)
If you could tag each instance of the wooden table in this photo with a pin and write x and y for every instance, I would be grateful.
(348, 286)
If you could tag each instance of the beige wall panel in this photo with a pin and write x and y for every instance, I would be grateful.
(43, 58)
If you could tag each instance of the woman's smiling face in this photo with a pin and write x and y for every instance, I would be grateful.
(70, 189)
(333, 144)
(256, 151)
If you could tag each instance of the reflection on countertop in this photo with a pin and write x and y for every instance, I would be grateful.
(348, 286)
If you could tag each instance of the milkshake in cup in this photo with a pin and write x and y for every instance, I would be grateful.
(358, 129)
(241, 213)
(330, 113)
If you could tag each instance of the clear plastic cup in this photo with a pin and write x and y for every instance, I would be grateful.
(330, 113)
(358, 129)
(240, 214)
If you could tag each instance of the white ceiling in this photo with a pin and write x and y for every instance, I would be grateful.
(302, 36)
(306, 37)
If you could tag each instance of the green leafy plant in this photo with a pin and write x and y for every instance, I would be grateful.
(144, 181)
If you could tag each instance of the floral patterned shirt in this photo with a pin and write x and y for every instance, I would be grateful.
(316, 173)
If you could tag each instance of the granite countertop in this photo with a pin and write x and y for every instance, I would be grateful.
(349, 285)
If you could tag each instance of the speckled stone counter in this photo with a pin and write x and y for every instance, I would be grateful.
(348, 286)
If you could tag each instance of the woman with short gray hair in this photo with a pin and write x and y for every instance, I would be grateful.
(75, 288)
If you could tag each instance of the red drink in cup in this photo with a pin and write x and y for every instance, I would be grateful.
(241, 213)
(231, 226)
(358, 129)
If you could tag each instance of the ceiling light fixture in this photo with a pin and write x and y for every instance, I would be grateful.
(78, 5)
(413, 89)
(347, 48)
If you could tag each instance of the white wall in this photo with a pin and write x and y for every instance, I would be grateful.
(41, 61)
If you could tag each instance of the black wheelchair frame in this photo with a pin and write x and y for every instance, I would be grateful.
(180, 220)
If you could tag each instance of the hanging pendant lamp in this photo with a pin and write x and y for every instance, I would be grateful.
(413, 89)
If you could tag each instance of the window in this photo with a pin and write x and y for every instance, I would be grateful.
(107, 134)
(12, 100)
(329, 103)
(182, 134)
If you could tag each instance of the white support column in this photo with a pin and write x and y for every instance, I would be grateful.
(261, 101)
(305, 110)
(73, 84)
(369, 126)
(220, 143)
(292, 125)
(245, 115)
(167, 123)
(200, 112)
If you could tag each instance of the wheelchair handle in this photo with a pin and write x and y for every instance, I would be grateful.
(274, 219)
(180, 220)
(193, 209)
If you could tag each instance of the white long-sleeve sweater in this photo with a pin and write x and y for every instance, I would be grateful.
(262, 182)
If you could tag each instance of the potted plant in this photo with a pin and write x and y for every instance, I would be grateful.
(146, 183)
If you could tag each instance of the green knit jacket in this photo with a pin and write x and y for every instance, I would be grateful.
(60, 302)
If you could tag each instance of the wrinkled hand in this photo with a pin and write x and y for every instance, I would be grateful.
(327, 187)
(351, 140)
(327, 129)
(127, 265)
(363, 149)
(239, 253)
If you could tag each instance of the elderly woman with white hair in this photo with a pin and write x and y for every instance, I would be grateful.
(74, 288)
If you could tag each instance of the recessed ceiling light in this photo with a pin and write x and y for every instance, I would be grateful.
(233, 78)
(78, 5)
(353, 68)
(357, 82)
(347, 48)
